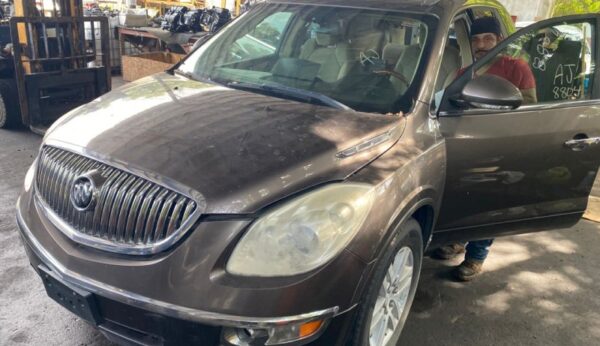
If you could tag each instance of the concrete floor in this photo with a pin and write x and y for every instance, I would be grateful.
(538, 289)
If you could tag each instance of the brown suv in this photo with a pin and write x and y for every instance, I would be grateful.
(281, 184)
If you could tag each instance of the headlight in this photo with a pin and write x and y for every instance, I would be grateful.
(303, 234)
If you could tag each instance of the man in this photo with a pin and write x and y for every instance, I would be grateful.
(486, 33)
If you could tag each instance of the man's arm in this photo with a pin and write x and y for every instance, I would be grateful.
(529, 96)
(527, 83)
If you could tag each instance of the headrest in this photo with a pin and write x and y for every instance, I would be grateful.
(572, 47)
(325, 39)
(392, 53)
(327, 35)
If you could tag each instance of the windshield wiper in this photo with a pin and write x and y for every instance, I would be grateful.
(197, 78)
(188, 75)
(289, 92)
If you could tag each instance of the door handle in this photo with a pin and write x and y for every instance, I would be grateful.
(582, 144)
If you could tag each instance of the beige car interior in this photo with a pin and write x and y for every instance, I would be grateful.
(455, 58)
(340, 47)
(328, 50)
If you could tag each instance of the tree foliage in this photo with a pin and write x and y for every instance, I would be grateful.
(567, 7)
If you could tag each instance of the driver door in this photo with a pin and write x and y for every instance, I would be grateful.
(530, 168)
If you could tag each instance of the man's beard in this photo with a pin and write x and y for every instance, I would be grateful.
(481, 53)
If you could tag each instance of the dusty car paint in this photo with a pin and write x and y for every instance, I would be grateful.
(290, 145)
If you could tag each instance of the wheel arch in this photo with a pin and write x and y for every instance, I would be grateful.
(425, 216)
(420, 206)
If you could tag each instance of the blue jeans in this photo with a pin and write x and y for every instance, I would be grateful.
(478, 250)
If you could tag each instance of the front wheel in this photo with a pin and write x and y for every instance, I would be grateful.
(389, 297)
(9, 109)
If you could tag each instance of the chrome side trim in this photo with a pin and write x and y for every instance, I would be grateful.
(366, 145)
(158, 306)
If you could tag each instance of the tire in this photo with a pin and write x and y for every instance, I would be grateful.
(9, 109)
(407, 240)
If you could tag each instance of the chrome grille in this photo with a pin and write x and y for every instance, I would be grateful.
(131, 213)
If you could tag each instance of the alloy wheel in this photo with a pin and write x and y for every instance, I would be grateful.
(392, 298)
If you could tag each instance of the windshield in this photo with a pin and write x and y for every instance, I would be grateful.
(366, 60)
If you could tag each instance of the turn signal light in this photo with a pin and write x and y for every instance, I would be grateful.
(308, 329)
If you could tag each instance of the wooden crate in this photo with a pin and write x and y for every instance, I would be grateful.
(142, 65)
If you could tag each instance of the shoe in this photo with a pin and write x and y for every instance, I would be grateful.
(449, 251)
(468, 269)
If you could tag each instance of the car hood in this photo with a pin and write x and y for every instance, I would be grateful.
(240, 151)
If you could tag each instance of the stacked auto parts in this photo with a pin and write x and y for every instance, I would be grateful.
(182, 19)
(6, 9)
(174, 19)
(215, 18)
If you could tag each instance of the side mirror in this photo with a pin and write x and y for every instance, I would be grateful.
(491, 92)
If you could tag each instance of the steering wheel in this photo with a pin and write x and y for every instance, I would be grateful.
(368, 57)
(394, 74)
(372, 58)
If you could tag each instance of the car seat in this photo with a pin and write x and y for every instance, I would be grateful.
(562, 71)
(328, 50)
(451, 64)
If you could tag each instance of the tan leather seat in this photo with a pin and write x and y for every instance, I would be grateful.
(451, 64)
(406, 66)
(392, 53)
(327, 50)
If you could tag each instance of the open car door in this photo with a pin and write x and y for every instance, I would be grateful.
(515, 169)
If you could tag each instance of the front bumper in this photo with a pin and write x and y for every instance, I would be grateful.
(127, 310)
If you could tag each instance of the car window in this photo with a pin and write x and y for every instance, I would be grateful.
(456, 55)
(457, 52)
(459, 45)
(551, 64)
(368, 60)
(262, 41)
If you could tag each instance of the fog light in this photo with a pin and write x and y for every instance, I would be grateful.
(275, 335)
(245, 336)
(293, 332)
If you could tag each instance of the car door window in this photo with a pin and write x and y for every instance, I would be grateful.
(550, 64)
(457, 53)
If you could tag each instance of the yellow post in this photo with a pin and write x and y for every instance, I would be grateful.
(20, 12)
(223, 3)
(238, 5)
(21, 7)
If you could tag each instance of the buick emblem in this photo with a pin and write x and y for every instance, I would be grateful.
(84, 192)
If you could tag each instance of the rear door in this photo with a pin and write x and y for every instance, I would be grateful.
(531, 168)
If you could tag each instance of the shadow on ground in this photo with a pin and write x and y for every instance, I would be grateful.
(537, 289)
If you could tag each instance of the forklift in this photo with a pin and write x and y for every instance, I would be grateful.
(54, 60)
